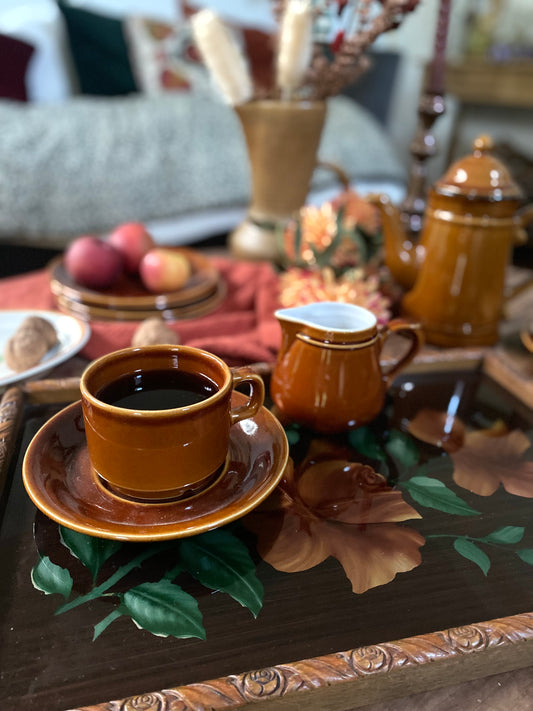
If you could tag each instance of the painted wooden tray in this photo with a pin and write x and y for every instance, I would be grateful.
(397, 558)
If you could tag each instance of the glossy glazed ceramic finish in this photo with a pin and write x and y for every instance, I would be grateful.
(60, 480)
(160, 454)
(458, 294)
(456, 273)
(89, 312)
(328, 375)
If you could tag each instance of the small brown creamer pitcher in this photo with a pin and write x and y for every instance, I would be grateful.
(328, 375)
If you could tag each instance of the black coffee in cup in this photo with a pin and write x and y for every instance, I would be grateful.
(157, 390)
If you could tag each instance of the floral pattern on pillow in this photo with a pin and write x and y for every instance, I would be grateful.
(164, 57)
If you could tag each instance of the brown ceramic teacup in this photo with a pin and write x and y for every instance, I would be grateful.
(157, 418)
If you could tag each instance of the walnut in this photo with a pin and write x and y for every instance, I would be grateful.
(44, 327)
(153, 331)
(29, 344)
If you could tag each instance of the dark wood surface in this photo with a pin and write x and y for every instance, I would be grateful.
(50, 662)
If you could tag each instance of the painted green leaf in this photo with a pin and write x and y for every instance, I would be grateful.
(173, 573)
(526, 554)
(164, 609)
(402, 448)
(51, 578)
(507, 534)
(104, 624)
(220, 561)
(293, 435)
(91, 551)
(433, 494)
(470, 551)
(364, 441)
(438, 466)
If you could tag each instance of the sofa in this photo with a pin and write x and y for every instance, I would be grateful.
(130, 139)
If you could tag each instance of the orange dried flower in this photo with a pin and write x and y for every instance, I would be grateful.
(358, 212)
(318, 226)
(301, 286)
(343, 233)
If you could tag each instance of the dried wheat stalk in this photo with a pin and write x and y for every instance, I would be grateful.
(331, 70)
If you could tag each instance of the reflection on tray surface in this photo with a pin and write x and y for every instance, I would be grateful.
(425, 479)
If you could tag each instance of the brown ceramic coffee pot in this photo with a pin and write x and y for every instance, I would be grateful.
(456, 272)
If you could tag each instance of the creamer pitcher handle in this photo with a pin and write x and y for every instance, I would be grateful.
(257, 394)
(413, 331)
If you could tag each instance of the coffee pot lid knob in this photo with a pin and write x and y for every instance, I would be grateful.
(482, 144)
(479, 175)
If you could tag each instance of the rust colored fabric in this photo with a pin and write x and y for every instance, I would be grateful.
(241, 330)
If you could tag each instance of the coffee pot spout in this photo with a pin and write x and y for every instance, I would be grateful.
(400, 253)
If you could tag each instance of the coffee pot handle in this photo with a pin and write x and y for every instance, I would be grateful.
(523, 217)
(257, 393)
(413, 331)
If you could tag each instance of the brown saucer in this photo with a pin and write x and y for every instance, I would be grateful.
(60, 481)
(129, 293)
(91, 312)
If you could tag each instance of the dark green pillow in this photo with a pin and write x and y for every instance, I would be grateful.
(99, 52)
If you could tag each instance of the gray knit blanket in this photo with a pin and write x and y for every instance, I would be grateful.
(90, 163)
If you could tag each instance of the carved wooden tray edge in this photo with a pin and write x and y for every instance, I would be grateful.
(507, 641)
(281, 685)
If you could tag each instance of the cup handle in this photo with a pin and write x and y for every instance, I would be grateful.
(416, 336)
(257, 394)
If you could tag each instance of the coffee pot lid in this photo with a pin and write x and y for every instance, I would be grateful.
(479, 175)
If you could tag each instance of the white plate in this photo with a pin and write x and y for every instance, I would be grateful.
(72, 335)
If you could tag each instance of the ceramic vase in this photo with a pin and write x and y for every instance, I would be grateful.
(282, 140)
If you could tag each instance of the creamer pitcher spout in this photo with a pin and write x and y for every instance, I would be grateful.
(290, 322)
(323, 318)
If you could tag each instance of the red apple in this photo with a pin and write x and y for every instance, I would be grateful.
(92, 262)
(164, 270)
(132, 240)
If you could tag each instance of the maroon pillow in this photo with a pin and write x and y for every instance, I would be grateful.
(15, 58)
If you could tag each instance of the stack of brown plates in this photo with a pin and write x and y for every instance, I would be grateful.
(128, 300)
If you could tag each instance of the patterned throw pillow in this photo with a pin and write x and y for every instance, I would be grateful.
(163, 56)
(257, 46)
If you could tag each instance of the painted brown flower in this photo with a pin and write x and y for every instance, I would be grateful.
(331, 506)
(492, 457)
(438, 428)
